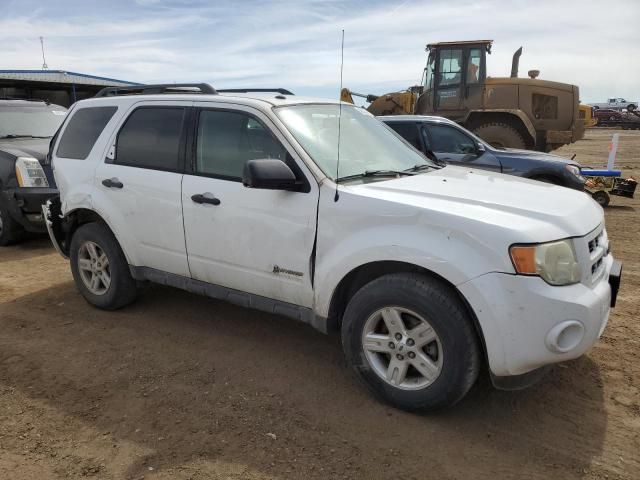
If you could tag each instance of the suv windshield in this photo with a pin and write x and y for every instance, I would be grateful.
(30, 121)
(366, 144)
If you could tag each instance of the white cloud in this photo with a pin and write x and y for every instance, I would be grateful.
(295, 44)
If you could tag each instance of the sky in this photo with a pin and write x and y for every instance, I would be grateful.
(296, 44)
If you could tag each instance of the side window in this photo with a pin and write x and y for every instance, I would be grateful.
(84, 128)
(446, 139)
(408, 131)
(150, 138)
(226, 140)
(473, 67)
(450, 67)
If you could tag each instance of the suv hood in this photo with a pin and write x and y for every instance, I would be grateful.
(516, 153)
(540, 211)
(26, 147)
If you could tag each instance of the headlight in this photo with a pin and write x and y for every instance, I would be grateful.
(29, 173)
(575, 170)
(555, 262)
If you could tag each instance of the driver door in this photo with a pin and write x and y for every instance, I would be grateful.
(449, 81)
(248, 239)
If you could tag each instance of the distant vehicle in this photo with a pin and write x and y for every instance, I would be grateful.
(607, 115)
(616, 104)
(428, 272)
(453, 144)
(26, 179)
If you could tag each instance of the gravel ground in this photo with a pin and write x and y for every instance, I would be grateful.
(184, 387)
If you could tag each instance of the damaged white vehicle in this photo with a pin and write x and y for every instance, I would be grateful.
(428, 272)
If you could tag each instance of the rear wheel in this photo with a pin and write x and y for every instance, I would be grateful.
(100, 269)
(631, 107)
(10, 230)
(411, 341)
(501, 135)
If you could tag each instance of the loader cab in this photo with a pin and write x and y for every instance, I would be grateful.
(454, 77)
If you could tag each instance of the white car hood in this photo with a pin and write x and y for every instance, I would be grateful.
(545, 211)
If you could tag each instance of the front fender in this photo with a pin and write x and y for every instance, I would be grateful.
(453, 255)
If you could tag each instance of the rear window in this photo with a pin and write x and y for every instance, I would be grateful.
(150, 138)
(84, 128)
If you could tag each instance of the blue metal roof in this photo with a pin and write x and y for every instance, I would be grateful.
(49, 73)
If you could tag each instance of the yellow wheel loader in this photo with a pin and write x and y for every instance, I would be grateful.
(506, 112)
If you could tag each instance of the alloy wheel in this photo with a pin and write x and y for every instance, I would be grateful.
(402, 348)
(94, 269)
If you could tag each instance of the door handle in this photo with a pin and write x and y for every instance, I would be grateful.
(205, 198)
(112, 183)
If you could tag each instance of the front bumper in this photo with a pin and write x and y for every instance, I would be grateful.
(25, 206)
(528, 324)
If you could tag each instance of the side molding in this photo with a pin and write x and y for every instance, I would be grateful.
(237, 297)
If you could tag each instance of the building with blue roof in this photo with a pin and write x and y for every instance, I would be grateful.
(55, 86)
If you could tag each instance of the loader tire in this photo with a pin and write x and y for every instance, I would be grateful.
(501, 135)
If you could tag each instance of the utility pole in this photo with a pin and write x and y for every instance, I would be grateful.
(44, 61)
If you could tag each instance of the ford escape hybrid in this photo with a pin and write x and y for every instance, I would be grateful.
(427, 272)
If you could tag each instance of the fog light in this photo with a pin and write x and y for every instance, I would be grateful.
(565, 336)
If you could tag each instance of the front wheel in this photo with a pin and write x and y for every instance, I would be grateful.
(631, 108)
(411, 341)
(100, 269)
(10, 230)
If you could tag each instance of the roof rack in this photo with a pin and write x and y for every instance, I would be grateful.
(197, 88)
(282, 91)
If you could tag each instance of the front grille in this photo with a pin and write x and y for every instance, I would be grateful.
(598, 249)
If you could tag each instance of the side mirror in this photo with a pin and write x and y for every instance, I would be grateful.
(270, 174)
(480, 148)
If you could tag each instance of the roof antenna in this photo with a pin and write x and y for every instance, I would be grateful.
(44, 61)
(337, 195)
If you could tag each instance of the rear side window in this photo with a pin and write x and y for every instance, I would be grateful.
(408, 131)
(226, 140)
(150, 138)
(84, 128)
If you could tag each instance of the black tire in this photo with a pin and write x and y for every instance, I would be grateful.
(10, 231)
(602, 198)
(631, 108)
(500, 134)
(440, 306)
(596, 108)
(122, 289)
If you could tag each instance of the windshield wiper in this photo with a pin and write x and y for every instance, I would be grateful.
(420, 167)
(376, 173)
(22, 136)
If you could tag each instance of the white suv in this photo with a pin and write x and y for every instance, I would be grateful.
(425, 270)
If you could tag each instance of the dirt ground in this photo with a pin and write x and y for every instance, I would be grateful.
(184, 387)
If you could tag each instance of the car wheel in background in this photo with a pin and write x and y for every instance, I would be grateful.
(10, 230)
(602, 198)
(100, 269)
(411, 341)
(631, 107)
